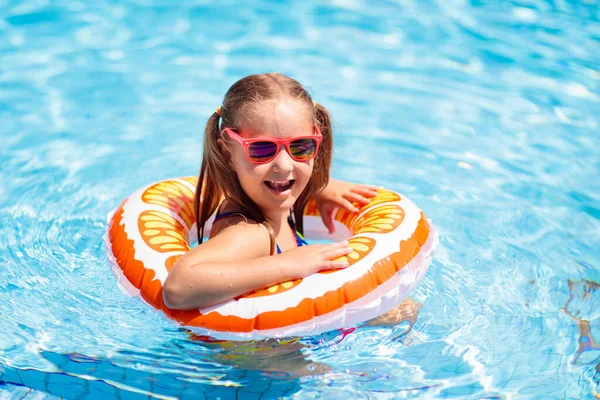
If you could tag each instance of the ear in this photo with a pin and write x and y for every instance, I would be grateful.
(225, 152)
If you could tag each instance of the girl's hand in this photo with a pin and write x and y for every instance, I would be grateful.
(342, 194)
(306, 260)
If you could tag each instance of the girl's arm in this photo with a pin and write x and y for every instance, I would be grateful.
(237, 261)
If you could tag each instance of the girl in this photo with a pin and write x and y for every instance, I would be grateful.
(267, 151)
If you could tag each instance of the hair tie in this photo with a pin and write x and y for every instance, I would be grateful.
(218, 110)
(314, 104)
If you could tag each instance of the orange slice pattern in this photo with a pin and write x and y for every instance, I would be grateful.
(311, 208)
(161, 232)
(382, 219)
(279, 288)
(383, 196)
(173, 195)
(346, 217)
(361, 247)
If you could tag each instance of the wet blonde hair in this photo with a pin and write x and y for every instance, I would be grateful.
(217, 180)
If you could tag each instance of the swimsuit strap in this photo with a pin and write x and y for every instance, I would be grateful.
(221, 215)
(299, 238)
(300, 241)
(229, 214)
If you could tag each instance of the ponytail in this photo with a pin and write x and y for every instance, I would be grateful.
(208, 193)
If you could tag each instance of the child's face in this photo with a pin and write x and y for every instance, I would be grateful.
(276, 185)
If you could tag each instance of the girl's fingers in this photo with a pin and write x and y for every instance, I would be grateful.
(330, 246)
(368, 191)
(338, 251)
(335, 264)
(335, 249)
(328, 221)
(336, 245)
(348, 205)
(356, 198)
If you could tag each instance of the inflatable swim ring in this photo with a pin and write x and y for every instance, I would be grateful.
(392, 240)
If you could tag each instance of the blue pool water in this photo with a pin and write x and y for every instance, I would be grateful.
(485, 113)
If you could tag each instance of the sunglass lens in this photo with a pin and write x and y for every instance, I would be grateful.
(303, 149)
(262, 151)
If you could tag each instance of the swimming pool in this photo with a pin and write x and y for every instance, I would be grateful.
(486, 114)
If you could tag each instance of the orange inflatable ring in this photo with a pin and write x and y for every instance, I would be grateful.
(392, 240)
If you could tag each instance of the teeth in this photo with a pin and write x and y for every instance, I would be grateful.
(279, 186)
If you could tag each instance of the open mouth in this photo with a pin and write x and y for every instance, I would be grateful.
(280, 186)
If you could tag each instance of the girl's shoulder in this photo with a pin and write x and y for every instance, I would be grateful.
(233, 228)
(231, 239)
(237, 240)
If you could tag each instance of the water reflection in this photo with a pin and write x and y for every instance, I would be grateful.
(583, 306)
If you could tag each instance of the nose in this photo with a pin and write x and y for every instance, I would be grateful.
(283, 161)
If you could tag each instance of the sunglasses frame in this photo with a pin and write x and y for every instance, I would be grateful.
(246, 143)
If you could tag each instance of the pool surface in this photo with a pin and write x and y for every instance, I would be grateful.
(485, 113)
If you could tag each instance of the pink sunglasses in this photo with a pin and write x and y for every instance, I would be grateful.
(264, 150)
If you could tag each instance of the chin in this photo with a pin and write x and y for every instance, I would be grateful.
(284, 205)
